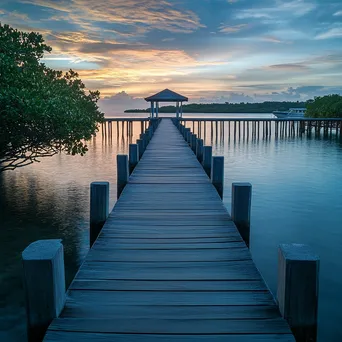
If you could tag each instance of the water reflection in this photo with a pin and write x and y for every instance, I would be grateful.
(50, 200)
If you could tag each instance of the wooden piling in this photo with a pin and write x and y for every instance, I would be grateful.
(207, 156)
(241, 208)
(188, 137)
(122, 172)
(44, 285)
(199, 150)
(99, 208)
(133, 156)
(193, 142)
(217, 174)
(140, 144)
(297, 293)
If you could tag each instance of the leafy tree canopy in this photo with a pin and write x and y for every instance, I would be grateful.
(329, 106)
(42, 111)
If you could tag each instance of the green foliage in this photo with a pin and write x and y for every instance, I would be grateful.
(264, 107)
(329, 106)
(42, 111)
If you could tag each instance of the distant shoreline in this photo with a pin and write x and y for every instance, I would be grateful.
(228, 108)
(204, 113)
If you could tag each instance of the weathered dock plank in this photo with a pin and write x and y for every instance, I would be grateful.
(169, 264)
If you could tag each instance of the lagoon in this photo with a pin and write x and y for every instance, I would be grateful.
(297, 187)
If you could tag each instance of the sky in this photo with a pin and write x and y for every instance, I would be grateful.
(207, 50)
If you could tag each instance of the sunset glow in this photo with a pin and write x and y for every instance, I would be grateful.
(221, 50)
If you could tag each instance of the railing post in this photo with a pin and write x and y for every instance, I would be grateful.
(297, 293)
(193, 142)
(99, 208)
(44, 285)
(241, 209)
(207, 156)
(133, 156)
(199, 150)
(122, 172)
(143, 137)
(140, 144)
(150, 133)
(186, 131)
(188, 136)
(217, 174)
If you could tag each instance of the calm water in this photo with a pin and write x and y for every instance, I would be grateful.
(297, 191)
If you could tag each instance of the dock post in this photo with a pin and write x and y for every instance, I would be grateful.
(207, 156)
(143, 137)
(188, 136)
(241, 209)
(140, 144)
(199, 150)
(99, 208)
(297, 293)
(193, 142)
(133, 156)
(44, 285)
(122, 172)
(186, 131)
(150, 133)
(217, 174)
(147, 135)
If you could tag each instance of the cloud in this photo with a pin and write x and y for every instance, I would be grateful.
(271, 39)
(119, 102)
(232, 29)
(289, 67)
(332, 33)
(153, 14)
(14, 16)
(280, 10)
(338, 14)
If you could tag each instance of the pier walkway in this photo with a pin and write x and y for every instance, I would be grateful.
(169, 263)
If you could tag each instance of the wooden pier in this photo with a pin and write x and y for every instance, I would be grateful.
(169, 263)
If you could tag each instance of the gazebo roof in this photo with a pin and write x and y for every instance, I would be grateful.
(166, 96)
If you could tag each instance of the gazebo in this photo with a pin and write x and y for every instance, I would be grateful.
(166, 96)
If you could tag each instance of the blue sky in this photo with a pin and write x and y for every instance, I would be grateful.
(209, 50)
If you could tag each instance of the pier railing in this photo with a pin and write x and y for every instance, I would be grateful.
(256, 128)
(237, 128)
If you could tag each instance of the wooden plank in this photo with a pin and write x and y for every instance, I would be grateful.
(113, 243)
(171, 326)
(176, 285)
(100, 310)
(57, 336)
(238, 270)
(169, 298)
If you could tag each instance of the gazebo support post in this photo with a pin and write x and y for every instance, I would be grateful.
(152, 109)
